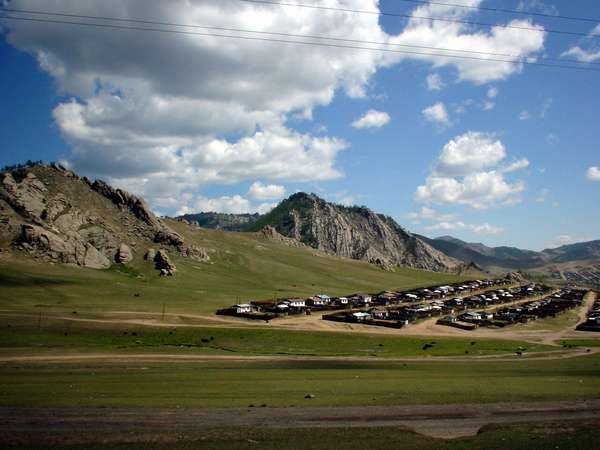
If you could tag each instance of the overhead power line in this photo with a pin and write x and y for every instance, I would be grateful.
(504, 11)
(274, 33)
(286, 41)
(411, 16)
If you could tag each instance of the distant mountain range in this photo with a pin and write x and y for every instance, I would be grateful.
(512, 257)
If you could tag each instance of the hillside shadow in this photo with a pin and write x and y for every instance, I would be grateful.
(26, 280)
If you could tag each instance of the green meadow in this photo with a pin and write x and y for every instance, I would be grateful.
(210, 384)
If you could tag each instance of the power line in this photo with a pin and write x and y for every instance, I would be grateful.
(410, 16)
(319, 44)
(274, 33)
(504, 10)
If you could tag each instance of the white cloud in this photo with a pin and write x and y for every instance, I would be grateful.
(582, 55)
(156, 112)
(372, 119)
(492, 92)
(524, 115)
(484, 228)
(260, 191)
(233, 205)
(595, 31)
(434, 82)
(468, 153)
(536, 6)
(516, 165)
(488, 105)
(593, 173)
(437, 114)
(566, 239)
(468, 172)
(427, 213)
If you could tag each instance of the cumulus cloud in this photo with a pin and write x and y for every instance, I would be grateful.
(372, 119)
(469, 172)
(593, 173)
(176, 112)
(437, 114)
(519, 164)
(427, 213)
(434, 82)
(582, 55)
(260, 191)
(484, 228)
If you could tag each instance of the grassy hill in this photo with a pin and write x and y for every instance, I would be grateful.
(243, 266)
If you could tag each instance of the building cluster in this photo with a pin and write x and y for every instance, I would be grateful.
(592, 321)
(444, 302)
(363, 306)
(549, 306)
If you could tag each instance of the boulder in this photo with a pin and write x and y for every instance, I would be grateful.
(196, 253)
(163, 263)
(124, 254)
(94, 259)
(150, 255)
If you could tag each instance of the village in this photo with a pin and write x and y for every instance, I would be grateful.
(592, 322)
(396, 307)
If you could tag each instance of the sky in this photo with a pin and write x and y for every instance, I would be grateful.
(476, 147)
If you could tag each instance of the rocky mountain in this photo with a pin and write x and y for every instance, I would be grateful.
(512, 257)
(353, 232)
(52, 214)
(221, 221)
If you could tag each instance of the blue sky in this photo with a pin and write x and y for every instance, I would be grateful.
(197, 125)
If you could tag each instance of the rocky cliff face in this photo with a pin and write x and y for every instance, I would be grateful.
(52, 214)
(355, 232)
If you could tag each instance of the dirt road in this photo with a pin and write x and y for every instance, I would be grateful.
(83, 424)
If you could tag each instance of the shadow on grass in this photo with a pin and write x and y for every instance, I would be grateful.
(27, 280)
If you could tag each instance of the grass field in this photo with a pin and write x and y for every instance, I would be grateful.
(243, 267)
(209, 384)
(73, 337)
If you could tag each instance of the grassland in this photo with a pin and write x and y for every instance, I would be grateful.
(285, 383)
(73, 337)
(243, 266)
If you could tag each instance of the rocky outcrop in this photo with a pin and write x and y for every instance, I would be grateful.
(141, 210)
(269, 232)
(516, 277)
(163, 263)
(353, 232)
(27, 197)
(150, 255)
(124, 254)
(66, 250)
(53, 214)
(195, 253)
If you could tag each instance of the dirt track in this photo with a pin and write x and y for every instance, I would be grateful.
(442, 421)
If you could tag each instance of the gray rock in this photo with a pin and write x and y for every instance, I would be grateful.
(124, 254)
(27, 197)
(150, 255)
(163, 263)
(94, 259)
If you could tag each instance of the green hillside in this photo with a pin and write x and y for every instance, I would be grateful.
(243, 266)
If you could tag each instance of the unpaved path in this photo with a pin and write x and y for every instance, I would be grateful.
(114, 357)
(441, 421)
